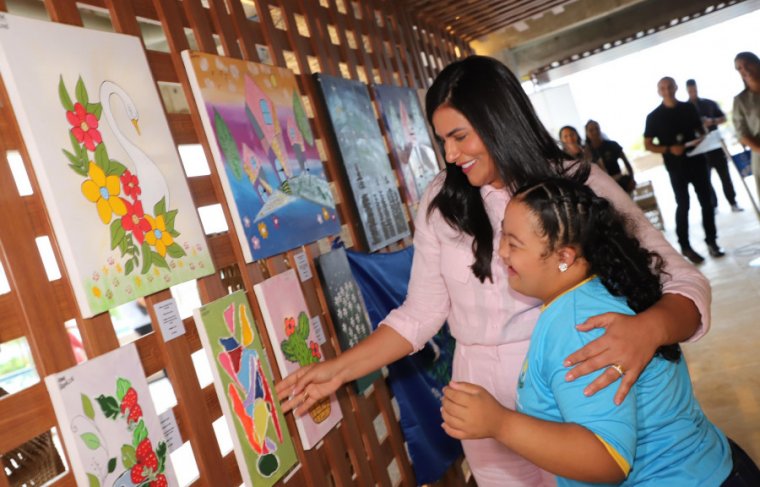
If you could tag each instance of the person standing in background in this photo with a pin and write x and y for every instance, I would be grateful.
(677, 127)
(606, 153)
(746, 116)
(572, 144)
(712, 116)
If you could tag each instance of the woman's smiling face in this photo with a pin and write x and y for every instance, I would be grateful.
(464, 147)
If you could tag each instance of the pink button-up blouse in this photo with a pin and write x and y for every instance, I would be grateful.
(442, 286)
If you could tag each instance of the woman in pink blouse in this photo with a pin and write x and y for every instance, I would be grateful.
(495, 143)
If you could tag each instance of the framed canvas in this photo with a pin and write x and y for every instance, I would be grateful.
(365, 161)
(265, 153)
(245, 388)
(103, 155)
(346, 304)
(108, 423)
(295, 345)
(441, 160)
(408, 137)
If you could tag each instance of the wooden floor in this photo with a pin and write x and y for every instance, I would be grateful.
(725, 364)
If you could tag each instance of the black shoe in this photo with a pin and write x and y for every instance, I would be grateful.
(694, 257)
(714, 250)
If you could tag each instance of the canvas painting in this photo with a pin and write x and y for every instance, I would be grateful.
(108, 423)
(365, 161)
(421, 93)
(295, 345)
(103, 154)
(265, 153)
(346, 304)
(409, 140)
(244, 384)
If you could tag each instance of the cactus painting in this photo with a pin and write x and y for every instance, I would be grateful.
(295, 345)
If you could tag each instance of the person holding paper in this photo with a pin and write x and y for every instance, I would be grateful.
(712, 116)
(677, 127)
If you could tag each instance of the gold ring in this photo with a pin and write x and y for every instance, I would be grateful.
(618, 368)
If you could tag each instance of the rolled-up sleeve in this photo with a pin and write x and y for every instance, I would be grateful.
(427, 302)
(683, 278)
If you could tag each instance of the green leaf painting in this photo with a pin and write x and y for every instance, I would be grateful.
(228, 146)
(91, 440)
(89, 411)
(63, 94)
(128, 455)
(302, 120)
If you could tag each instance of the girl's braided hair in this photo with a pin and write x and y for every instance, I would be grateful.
(571, 214)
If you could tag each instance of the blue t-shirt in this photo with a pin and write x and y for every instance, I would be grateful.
(659, 431)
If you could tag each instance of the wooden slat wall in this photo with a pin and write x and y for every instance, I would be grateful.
(368, 40)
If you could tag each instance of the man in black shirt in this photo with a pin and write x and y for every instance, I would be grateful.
(712, 116)
(677, 127)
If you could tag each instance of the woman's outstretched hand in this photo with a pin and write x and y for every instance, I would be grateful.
(304, 387)
(626, 342)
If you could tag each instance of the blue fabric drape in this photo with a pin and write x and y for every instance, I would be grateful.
(416, 381)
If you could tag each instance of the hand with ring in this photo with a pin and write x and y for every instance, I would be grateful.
(618, 368)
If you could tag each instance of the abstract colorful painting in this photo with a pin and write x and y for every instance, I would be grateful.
(295, 345)
(108, 423)
(265, 153)
(365, 161)
(346, 304)
(244, 385)
(103, 155)
(408, 137)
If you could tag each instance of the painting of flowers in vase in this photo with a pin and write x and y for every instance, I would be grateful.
(265, 153)
(108, 423)
(295, 345)
(244, 384)
(104, 158)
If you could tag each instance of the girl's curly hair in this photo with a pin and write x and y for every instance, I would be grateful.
(571, 214)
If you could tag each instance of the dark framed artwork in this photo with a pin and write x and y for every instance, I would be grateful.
(365, 163)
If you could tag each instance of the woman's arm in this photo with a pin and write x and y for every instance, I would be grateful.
(565, 449)
(683, 313)
(403, 331)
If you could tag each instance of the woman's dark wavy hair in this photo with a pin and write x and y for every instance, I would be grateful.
(571, 214)
(748, 57)
(487, 93)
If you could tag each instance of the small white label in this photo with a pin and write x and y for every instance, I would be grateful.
(169, 320)
(302, 263)
(170, 429)
(319, 332)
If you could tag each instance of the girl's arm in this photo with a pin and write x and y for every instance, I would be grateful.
(565, 449)
(682, 314)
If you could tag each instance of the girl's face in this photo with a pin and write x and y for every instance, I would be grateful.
(531, 269)
(568, 137)
(464, 147)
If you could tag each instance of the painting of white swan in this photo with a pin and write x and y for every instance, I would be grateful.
(104, 157)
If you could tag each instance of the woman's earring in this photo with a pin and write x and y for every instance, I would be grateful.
(562, 266)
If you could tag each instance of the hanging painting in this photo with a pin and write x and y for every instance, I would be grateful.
(295, 345)
(409, 140)
(244, 385)
(103, 155)
(346, 304)
(265, 153)
(365, 161)
(108, 423)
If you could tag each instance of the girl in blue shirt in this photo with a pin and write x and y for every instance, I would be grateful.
(568, 247)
